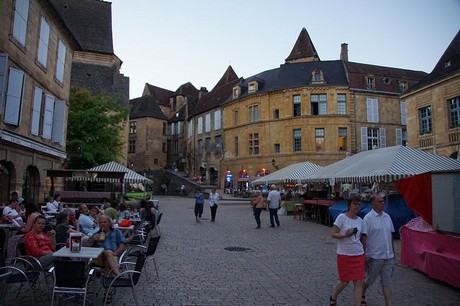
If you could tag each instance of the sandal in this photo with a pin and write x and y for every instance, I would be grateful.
(363, 301)
(332, 302)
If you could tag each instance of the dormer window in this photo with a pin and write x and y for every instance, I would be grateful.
(386, 81)
(236, 92)
(370, 81)
(447, 63)
(253, 86)
(317, 76)
(402, 86)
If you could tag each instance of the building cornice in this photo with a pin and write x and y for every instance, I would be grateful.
(30, 144)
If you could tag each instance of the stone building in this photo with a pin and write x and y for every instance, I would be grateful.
(311, 110)
(36, 50)
(433, 106)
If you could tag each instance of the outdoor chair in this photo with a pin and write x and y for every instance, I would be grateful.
(70, 278)
(158, 223)
(149, 252)
(126, 279)
(18, 271)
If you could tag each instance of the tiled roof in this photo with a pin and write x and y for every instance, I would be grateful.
(218, 94)
(386, 78)
(179, 116)
(90, 22)
(160, 94)
(187, 89)
(303, 48)
(448, 64)
(146, 106)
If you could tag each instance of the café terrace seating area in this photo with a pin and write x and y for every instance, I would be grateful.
(75, 277)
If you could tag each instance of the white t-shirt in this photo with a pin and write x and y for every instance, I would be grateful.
(213, 199)
(86, 223)
(51, 207)
(379, 229)
(11, 212)
(352, 245)
(274, 198)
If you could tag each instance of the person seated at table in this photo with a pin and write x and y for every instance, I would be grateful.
(151, 212)
(123, 212)
(63, 228)
(39, 245)
(112, 210)
(50, 206)
(86, 223)
(31, 213)
(142, 209)
(10, 212)
(112, 240)
(94, 213)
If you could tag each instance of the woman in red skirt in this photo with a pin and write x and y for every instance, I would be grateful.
(350, 252)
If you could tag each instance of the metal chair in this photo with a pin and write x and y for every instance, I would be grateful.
(149, 252)
(70, 278)
(126, 279)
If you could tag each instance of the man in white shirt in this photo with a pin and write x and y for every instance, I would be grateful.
(86, 223)
(10, 212)
(377, 240)
(274, 202)
(50, 207)
(213, 203)
(57, 202)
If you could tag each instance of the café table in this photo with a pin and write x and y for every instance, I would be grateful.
(320, 208)
(85, 252)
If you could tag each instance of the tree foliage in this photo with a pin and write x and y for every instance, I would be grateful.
(94, 127)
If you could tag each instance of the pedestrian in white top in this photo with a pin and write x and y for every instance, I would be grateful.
(377, 239)
(86, 223)
(50, 206)
(274, 202)
(213, 203)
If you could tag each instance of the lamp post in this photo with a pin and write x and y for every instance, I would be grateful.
(274, 164)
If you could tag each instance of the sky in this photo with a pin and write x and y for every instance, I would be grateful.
(169, 43)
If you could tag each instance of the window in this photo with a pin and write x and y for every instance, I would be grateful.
(177, 129)
(3, 66)
(343, 134)
(318, 104)
(253, 113)
(21, 14)
(175, 147)
(276, 114)
(372, 138)
(163, 147)
(319, 140)
(165, 128)
(401, 137)
(155, 161)
(14, 97)
(48, 117)
(132, 146)
(297, 135)
(132, 127)
(207, 128)
(200, 147)
(43, 42)
(454, 112)
(218, 141)
(217, 119)
(277, 148)
(60, 64)
(59, 124)
(341, 104)
(317, 76)
(236, 146)
(236, 92)
(296, 106)
(403, 113)
(372, 110)
(236, 118)
(253, 87)
(207, 144)
(370, 82)
(190, 128)
(200, 126)
(402, 86)
(425, 120)
(254, 144)
(36, 111)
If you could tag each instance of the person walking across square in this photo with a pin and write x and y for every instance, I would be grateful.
(377, 240)
(199, 202)
(274, 202)
(213, 203)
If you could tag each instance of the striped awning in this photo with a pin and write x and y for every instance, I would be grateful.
(130, 175)
(292, 173)
(384, 165)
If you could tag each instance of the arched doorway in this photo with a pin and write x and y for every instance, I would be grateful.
(213, 176)
(6, 173)
(31, 185)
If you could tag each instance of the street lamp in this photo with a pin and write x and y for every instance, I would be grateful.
(274, 164)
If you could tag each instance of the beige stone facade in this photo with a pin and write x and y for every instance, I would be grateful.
(34, 90)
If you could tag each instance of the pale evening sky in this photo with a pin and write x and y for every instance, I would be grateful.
(169, 43)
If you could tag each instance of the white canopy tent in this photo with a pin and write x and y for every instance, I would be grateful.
(130, 176)
(383, 165)
(292, 173)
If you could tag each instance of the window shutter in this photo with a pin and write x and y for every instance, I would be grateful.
(20, 21)
(59, 122)
(60, 62)
(36, 111)
(48, 117)
(398, 137)
(3, 65)
(372, 110)
(217, 119)
(403, 113)
(43, 42)
(383, 138)
(364, 139)
(207, 123)
(14, 97)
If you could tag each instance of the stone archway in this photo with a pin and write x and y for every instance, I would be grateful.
(6, 173)
(31, 185)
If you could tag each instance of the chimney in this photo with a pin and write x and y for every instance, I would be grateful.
(202, 91)
(344, 52)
